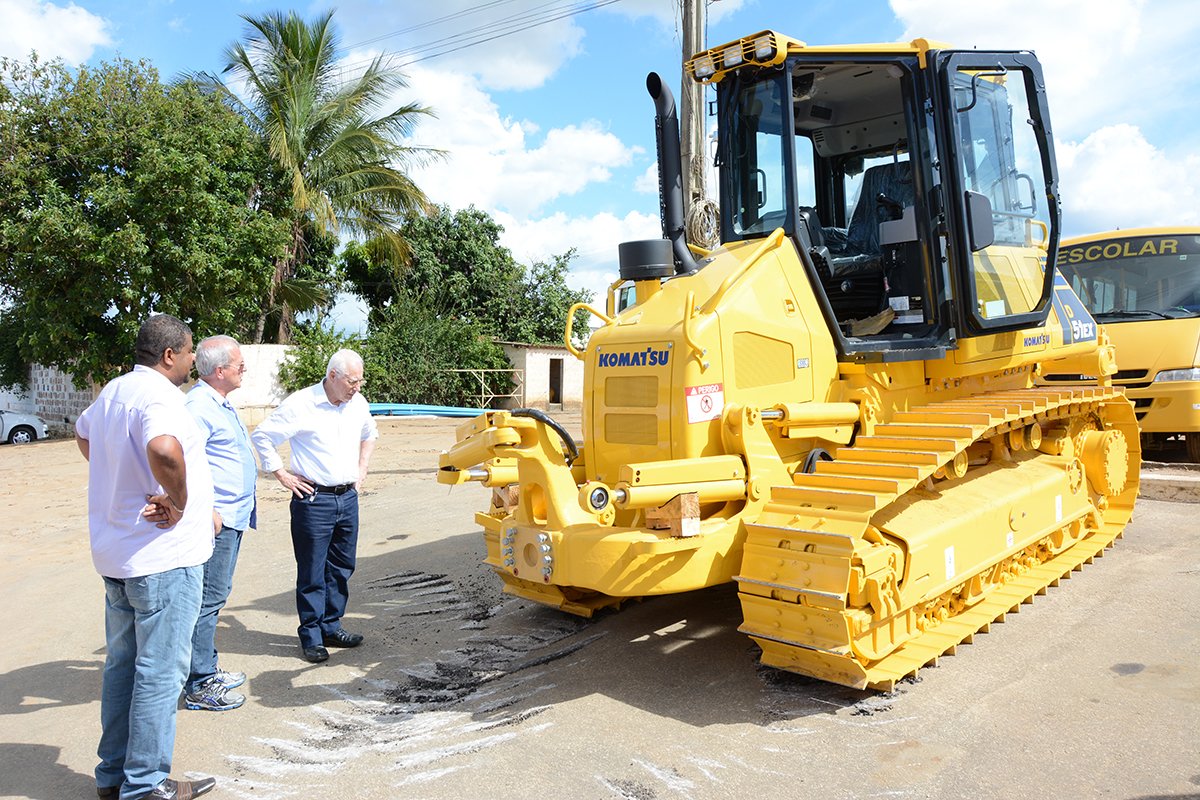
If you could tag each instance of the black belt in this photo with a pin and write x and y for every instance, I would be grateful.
(341, 488)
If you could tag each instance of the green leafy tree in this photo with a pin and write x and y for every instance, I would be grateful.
(312, 346)
(545, 299)
(120, 197)
(459, 270)
(412, 355)
(342, 167)
(407, 358)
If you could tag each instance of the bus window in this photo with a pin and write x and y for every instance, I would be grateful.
(1136, 276)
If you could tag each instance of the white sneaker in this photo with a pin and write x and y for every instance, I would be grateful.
(212, 696)
(230, 680)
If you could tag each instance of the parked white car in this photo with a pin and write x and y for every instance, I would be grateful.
(21, 428)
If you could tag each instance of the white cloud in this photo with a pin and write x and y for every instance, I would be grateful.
(53, 31)
(512, 170)
(494, 162)
(647, 182)
(1116, 81)
(595, 239)
(1100, 66)
(516, 45)
(1114, 178)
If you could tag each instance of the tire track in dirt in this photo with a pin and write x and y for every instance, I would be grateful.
(433, 715)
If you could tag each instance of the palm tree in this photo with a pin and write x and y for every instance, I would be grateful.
(342, 167)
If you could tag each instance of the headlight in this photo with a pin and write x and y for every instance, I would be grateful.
(733, 56)
(703, 66)
(764, 48)
(1192, 374)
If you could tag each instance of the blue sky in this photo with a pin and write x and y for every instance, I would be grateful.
(551, 130)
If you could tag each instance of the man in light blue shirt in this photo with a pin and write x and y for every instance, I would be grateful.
(220, 365)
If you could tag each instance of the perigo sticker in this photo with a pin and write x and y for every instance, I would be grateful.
(705, 402)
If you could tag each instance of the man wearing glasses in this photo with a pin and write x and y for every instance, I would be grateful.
(227, 446)
(332, 436)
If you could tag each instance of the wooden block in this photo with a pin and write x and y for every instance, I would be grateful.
(505, 498)
(680, 515)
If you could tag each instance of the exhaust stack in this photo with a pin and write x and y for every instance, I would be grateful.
(670, 172)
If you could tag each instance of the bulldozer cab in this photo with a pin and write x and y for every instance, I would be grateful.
(917, 184)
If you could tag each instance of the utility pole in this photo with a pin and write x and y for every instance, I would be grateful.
(692, 108)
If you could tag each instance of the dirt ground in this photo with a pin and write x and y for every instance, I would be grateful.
(1092, 691)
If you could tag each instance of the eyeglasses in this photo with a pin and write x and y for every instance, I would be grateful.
(239, 367)
(355, 383)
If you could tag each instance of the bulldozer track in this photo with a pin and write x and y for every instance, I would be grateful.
(804, 553)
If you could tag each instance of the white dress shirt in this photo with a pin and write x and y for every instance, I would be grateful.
(325, 438)
(130, 411)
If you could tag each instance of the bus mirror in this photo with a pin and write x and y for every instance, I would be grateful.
(980, 227)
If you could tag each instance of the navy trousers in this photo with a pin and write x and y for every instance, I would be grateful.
(325, 540)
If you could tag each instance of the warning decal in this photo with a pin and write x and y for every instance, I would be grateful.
(705, 402)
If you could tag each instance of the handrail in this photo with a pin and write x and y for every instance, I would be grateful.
(572, 349)
(610, 301)
(770, 243)
(1044, 244)
(689, 311)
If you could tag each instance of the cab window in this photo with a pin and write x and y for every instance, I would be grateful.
(1001, 160)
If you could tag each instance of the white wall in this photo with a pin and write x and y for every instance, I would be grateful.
(260, 391)
(535, 362)
(17, 401)
(51, 396)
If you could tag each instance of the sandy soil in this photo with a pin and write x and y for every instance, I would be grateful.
(462, 691)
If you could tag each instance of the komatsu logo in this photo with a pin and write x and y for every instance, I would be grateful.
(1037, 341)
(637, 358)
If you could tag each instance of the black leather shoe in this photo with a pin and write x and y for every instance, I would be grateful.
(181, 790)
(342, 638)
(108, 791)
(316, 654)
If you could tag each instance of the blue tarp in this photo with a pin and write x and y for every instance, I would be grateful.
(412, 410)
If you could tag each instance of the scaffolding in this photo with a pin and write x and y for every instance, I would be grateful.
(486, 397)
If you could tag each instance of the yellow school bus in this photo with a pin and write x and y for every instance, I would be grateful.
(1143, 286)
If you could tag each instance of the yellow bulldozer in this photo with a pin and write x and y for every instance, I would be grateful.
(838, 407)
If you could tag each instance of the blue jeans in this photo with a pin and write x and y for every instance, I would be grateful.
(324, 538)
(148, 624)
(218, 583)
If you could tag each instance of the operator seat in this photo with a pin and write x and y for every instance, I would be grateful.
(860, 252)
(850, 260)
(893, 180)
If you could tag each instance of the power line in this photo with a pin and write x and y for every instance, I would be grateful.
(585, 7)
(516, 23)
(456, 15)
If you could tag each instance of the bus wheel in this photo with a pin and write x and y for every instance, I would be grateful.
(1193, 447)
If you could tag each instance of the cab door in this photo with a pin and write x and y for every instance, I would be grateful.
(1002, 207)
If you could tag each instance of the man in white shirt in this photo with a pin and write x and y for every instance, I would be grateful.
(332, 436)
(150, 515)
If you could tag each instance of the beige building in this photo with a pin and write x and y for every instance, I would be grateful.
(553, 378)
